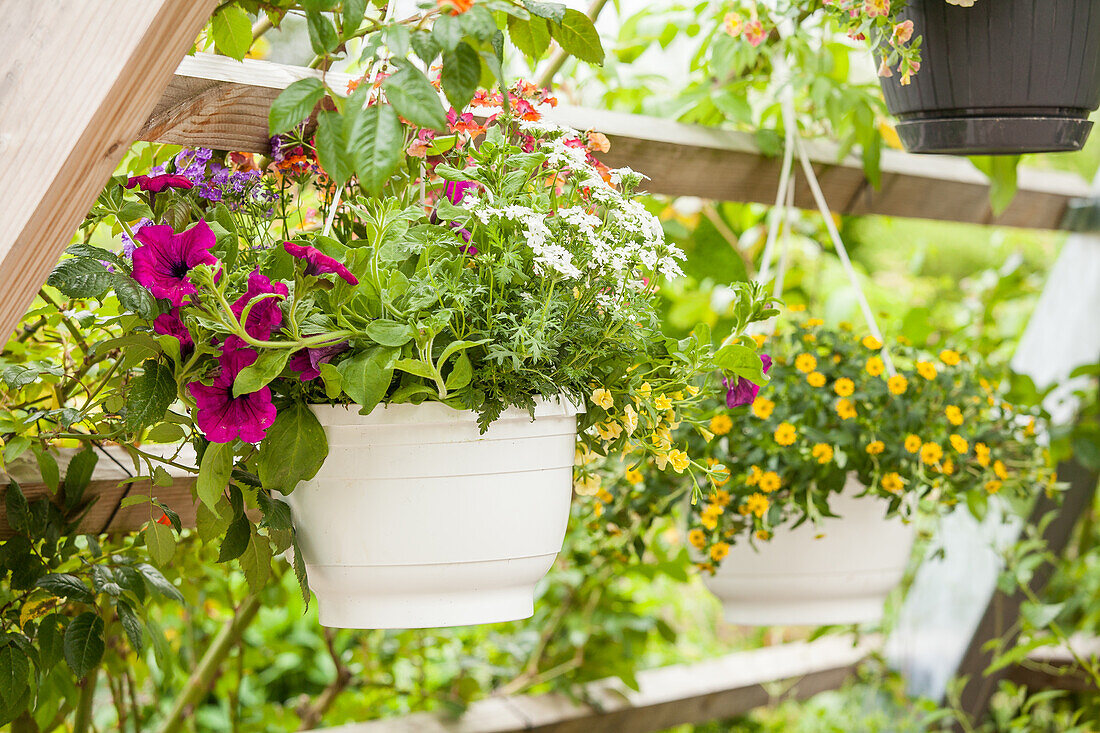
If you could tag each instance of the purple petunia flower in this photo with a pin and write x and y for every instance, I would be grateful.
(265, 315)
(318, 263)
(170, 324)
(456, 190)
(222, 417)
(156, 184)
(165, 258)
(308, 361)
(743, 392)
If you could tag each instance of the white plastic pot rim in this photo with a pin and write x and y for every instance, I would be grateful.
(436, 413)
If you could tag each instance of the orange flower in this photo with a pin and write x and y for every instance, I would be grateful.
(457, 6)
(598, 142)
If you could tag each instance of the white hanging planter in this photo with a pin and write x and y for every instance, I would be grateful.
(836, 572)
(417, 520)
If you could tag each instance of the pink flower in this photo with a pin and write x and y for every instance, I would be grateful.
(308, 361)
(884, 69)
(318, 263)
(156, 184)
(456, 190)
(875, 8)
(222, 417)
(754, 32)
(170, 324)
(743, 392)
(903, 32)
(265, 314)
(732, 24)
(165, 258)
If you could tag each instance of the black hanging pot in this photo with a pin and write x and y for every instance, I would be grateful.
(1000, 77)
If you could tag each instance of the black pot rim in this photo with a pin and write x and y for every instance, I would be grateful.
(993, 135)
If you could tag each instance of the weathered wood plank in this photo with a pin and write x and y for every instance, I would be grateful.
(685, 693)
(220, 103)
(1054, 668)
(77, 79)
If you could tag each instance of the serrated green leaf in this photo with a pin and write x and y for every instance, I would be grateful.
(461, 74)
(81, 277)
(531, 37)
(14, 671)
(131, 624)
(550, 11)
(150, 395)
(160, 542)
(332, 147)
(84, 643)
(232, 31)
(158, 582)
(212, 523)
(323, 37)
(276, 513)
(214, 471)
(64, 585)
(300, 570)
(376, 142)
(133, 296)
(47, 467)
(294, 104)
(414, 98)
(236, 539)
(79, 474)
(578, 37)
(50, 640)
(256, 561)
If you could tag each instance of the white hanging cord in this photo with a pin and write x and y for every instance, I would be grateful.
(785, 250)
(332, 211)
(842, 252)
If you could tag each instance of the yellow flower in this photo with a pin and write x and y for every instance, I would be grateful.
(809, 337)
(797, 308)
(762, 407)
(756, 504)
(872, 343)
(598, 510)
(959, 443)
(605, 496)
(816, 379)
(645, 390)
(718, 551)
(721, 497)
(721, 424)
(875, 447)
(634, 476)
(763, 534)
(770, 482)
(981, 452)
(759, 339)
(678, 396)
(948, 467)
(993, 486)
(692, 390)
(805, 363)
(954, 415)
(926, 369)
(588, 485)
(844, 387)
(875, 367)
(697, 538)
(754, 476)
(949, 357)
(897, 384)
(812, 322)
(1000, 470)
(785, 434)
(892, 482)
(822, 452)
(912, 443)
(609, 430)
(931, 453)
(602, 398)
(679, 460)
(1030, 429)
(630, 419)
(845, 408)
(662, 402)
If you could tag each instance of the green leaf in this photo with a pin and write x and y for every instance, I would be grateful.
(256, 561)
(376, 142)
(47, 467)
(295, 104)
(84, 643)
(414, 98)
(165, 432)
(158, 582)
(214, 472)
(66, 586)
(390, 333)
(133, 297)
(367, 376)
(232, 31)
(447, 32)
(212, 523)
(425, 46)
(300, 570)
(578, 37)
(132, 625)
(332, 147)
(415, 367)
(741, 361)
(79, 474)
(1001, 170)
(294, 450)
(150, 395)
(50, 640)
(160, 541)
(461, 75)
(322, 33)
(257, 375)
(532, 37)
(14, 671)
(276, 513)
(353, 13)
(478, 22)
(18, 511)
(80, 277)
(236, 539)
(334, 381)
(551, 11)
(461, 374)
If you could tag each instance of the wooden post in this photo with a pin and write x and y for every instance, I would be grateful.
(77, 80)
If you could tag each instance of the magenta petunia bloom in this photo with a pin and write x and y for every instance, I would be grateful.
(165, 258)
(265, 315)
(744, 391)
(308, 361)
(156, 184)
(319, 263)
(456, 190)
(170, 324)
(222, 417)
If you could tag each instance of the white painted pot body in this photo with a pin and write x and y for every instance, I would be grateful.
(839, 571)
(416, 519)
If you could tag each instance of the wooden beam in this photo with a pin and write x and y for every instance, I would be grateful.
(77, 78)
(219, 103)
(714, 689)
(1054, 668)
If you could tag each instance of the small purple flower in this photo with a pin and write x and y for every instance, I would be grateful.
(164, 259)
(129, 245)
(222, 417)
(743, 392)
(308, 361)
(170, 324)
(265, 315)
(318, 263)
(156, 184)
